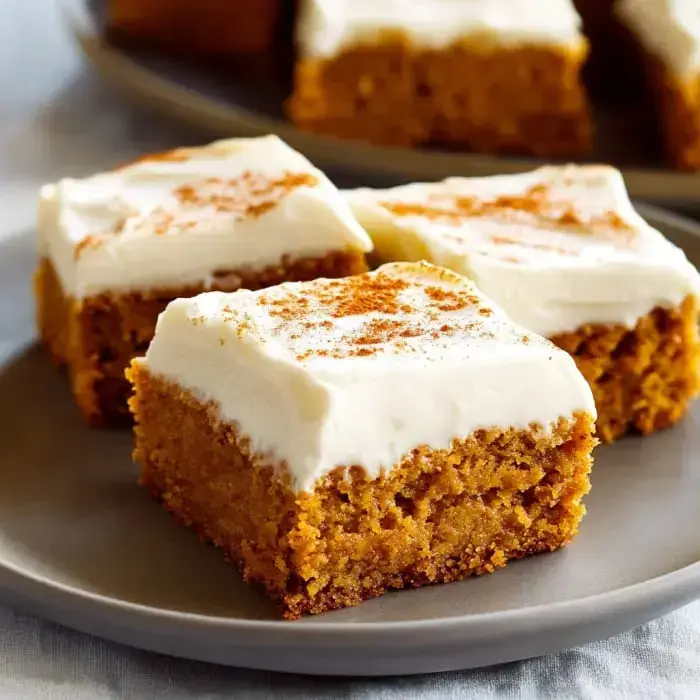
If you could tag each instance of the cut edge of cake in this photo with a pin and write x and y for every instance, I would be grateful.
(354, 532)
(115, 248)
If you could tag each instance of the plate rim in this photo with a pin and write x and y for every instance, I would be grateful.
(669, 590)
(204, 111)
(685, 582)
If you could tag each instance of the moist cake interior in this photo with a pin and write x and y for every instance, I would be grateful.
(341, 438)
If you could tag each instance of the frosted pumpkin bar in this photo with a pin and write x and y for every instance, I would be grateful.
(484, 75)
(115, 248)
(340, 438)
(563, 251)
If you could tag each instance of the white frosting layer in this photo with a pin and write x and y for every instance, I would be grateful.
(326, 27)
(669, 29)
(177, 220)
(566, 249)
(359, 371)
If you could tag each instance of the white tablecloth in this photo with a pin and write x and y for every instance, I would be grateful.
(57, 118)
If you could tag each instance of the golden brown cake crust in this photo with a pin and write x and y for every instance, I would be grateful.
(438, 516)
(96, 339)
(644, 378)
(475, 95)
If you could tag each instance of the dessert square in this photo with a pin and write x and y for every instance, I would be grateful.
(667, 33)
(485, 75)
(340, 438)
(564, 253)
(115, 248)
(199, 28)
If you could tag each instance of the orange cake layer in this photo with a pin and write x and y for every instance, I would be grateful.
(475, 95)
(216, 28)
(437, 516)
(97, 337)
(644, 378)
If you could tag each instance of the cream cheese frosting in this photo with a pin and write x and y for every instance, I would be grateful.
(178, 218)
(326, 27)
(557, 248)
(668, 29)
(360, 371)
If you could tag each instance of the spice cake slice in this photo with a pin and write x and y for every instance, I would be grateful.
(563, 251)
(486, 75)
(115, 248)
(667, 35)
(341, 438)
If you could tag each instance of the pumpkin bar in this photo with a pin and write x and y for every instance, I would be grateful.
(338, 439)
(564, 252)
(115, 248)
(483, 75)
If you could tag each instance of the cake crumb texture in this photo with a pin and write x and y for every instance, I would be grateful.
(475, 94)
(438, 516)
(643, 379)
(97, 337)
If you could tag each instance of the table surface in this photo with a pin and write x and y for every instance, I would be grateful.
(58, 118)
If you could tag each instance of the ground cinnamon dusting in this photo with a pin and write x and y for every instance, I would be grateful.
(382, 330)
(378, 293)
(449, 300)
(287, 308)
(250, 195)
(534, 205)
(177, 155)
(392, 317)
(88, 242)
(353, 296)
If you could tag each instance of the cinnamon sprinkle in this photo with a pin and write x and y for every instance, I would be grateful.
(364, 294)
(92, 241)
(533, 204)
(248, 196)
(381, 330)
(177, 155)
(388, 316)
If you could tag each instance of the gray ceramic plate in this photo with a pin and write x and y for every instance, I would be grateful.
(247, 100)
(80, 543)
